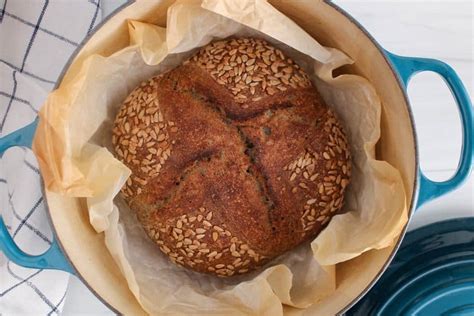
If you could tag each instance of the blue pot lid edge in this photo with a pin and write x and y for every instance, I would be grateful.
(431, 274)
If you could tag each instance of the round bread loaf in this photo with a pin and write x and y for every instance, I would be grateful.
(235, 159)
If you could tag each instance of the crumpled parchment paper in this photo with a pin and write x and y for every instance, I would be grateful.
(73, 146)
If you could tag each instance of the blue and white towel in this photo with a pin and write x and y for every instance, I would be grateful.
(37, 37)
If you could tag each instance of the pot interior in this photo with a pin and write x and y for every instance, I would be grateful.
(86, 249)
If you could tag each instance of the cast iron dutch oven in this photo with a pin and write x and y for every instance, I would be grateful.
(79, 250)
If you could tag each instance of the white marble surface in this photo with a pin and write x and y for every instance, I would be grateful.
(436, 29)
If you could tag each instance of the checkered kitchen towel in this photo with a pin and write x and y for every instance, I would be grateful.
(36, 39)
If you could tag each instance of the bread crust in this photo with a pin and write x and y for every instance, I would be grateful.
(230, 172)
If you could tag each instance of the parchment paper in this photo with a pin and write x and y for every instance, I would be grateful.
(73, 146)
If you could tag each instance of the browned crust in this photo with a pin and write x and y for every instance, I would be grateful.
(226, 176)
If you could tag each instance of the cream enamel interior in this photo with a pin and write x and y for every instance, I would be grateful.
(86, 249)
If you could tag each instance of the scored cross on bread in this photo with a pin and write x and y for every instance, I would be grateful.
(235, 159)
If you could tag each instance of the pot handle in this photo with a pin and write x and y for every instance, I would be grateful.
(409, 66)
(53, 258)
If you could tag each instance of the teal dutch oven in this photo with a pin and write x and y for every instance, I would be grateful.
(390, 75)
